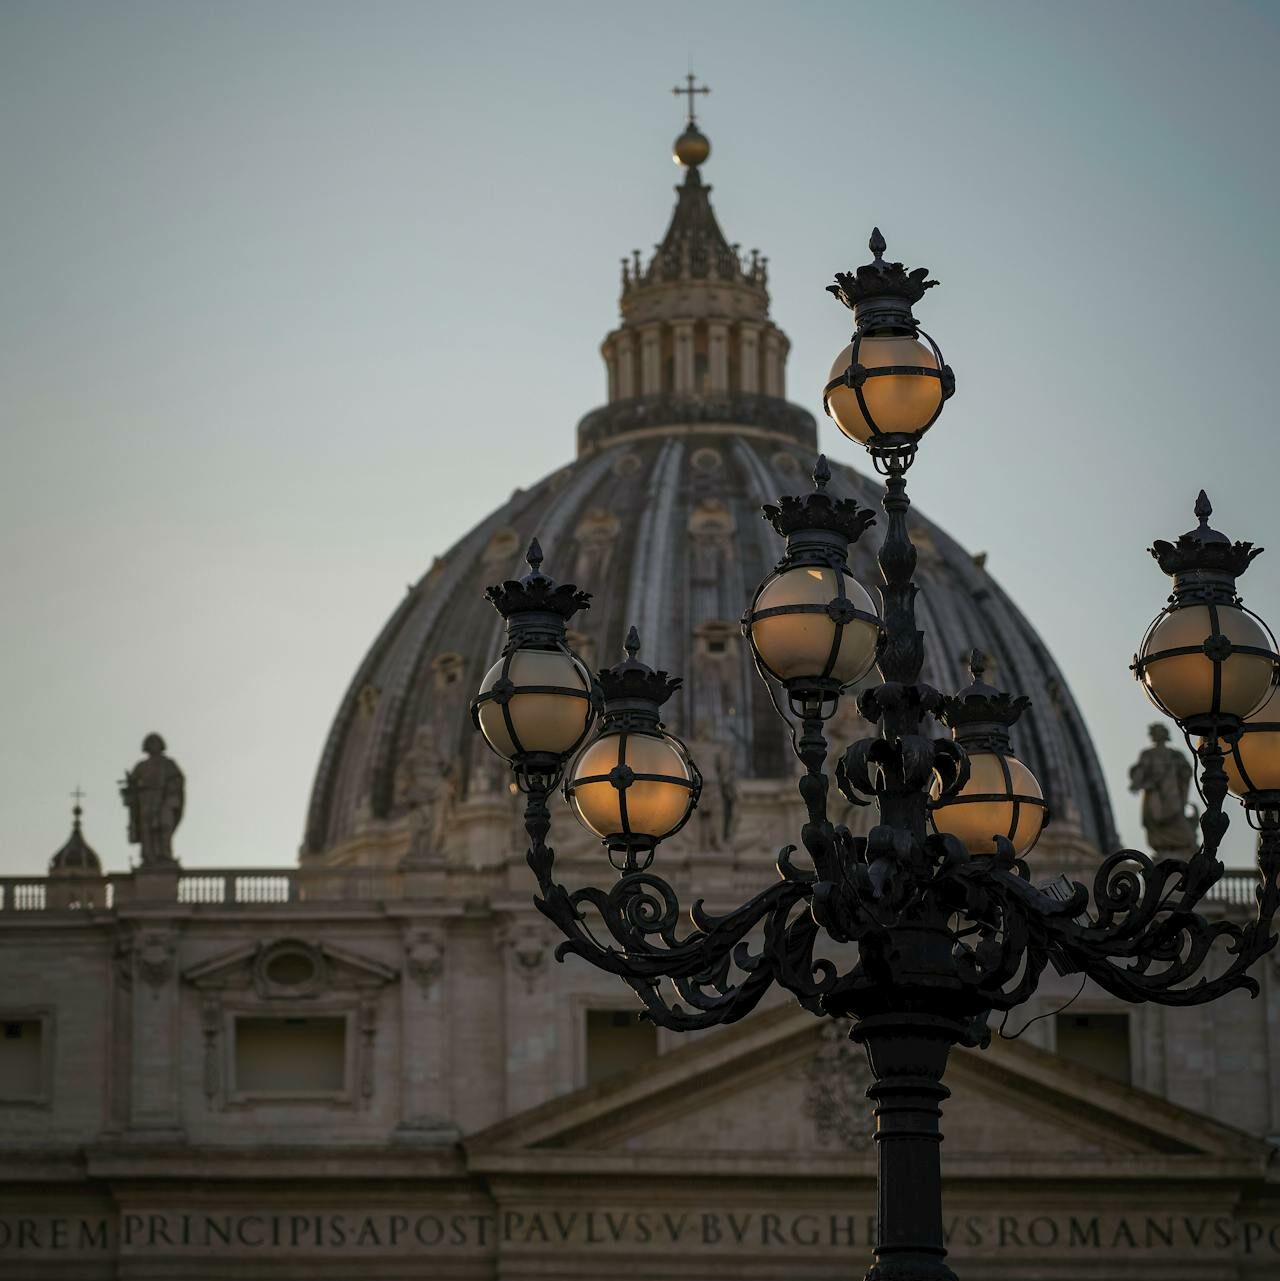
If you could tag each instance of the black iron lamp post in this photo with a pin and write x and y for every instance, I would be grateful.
(931, 922)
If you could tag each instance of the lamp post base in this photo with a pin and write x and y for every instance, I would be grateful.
(907, 1053)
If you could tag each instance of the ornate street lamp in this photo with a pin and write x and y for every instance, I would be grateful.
(946, 923)
(634, 784)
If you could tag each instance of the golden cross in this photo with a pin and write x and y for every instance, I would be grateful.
(689, 91)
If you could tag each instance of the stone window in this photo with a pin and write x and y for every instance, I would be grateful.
(24, 1058)
(287, 1056)
(617, 1041)
(1098, 1041)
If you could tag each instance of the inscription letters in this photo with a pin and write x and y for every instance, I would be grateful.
(412, 1231)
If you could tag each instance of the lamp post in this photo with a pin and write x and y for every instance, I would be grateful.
(931, 921)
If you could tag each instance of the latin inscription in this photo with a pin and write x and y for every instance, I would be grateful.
(414, 1232)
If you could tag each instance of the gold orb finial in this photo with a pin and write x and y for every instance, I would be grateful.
(692, 147)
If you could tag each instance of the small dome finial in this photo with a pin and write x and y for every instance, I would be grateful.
(534, 555)
(632, 644)
(876, 244)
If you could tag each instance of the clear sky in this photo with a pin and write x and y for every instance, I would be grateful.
(292, 294)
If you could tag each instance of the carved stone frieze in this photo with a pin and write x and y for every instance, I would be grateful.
(424, 957)
(526, 945)
(153, 954)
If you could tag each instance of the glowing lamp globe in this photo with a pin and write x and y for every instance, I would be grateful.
(634, 784)
(1001, 797)
(1206, 660)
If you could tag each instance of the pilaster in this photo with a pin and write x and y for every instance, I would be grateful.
(749, 356)
(718, 355)
(651, 360)
(682, 337)
(154, 1107)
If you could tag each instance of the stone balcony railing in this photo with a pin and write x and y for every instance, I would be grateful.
(240, 888)
(214, 888)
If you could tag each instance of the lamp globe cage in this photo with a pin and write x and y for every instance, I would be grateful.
(1252, 763)
(535, 706)
(888, 386)
(1206, 660)
(634, 784)
(1001, 799)
(811, 625)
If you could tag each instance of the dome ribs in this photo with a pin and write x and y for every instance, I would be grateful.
(655, 576)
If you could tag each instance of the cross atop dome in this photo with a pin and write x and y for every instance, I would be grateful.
(692, 147)
(689, 91)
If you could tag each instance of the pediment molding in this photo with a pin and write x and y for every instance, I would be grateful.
(289, 968)
(707, 1102)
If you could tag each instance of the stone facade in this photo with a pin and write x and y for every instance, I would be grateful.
(461, 1136)
(370, 1064)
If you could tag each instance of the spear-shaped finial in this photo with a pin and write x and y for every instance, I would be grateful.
(821, 472)
(632, 643)
(1203, 509)
(876, 244)
(977, 664)
(534, 555)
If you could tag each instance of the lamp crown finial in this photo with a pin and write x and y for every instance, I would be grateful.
(821, 472)
(977, 663)
(1203, 508)
(877, 243)
(632, 644)
(534, 555)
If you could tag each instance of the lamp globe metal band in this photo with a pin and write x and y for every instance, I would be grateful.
(1206, 661)
(811, 625)
(634, 784)
(535, 706)
(1001, 800)
(886, 388)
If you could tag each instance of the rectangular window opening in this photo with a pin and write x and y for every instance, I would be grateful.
(21, 1059)
(617, 1041)
(302, 1055)
(1097, 1041)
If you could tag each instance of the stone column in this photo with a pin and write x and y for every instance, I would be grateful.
(772, 363)
(749, 356)
(155, 1061)
(718, 355)
(610, 354)
(624, 347)
(651, 360)
(682, 336)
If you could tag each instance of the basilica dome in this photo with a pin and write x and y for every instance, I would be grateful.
(659, 517)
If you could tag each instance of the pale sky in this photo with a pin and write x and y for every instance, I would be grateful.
(293, 294)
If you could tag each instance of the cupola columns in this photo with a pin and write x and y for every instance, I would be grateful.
(695, 317)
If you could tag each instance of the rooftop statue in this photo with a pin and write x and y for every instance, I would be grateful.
(1163, 776)
(154, 792)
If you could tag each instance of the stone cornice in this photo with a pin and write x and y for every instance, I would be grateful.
(620, 418)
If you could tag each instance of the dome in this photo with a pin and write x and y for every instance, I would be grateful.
(664, 528)
(659, 517)
(77, 857)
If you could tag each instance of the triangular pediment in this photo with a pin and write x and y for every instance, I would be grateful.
(289, 967)
(786, 1087)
